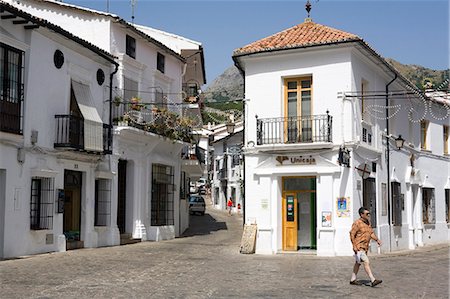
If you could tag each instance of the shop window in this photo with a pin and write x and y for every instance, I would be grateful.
(396, 204)
(41, 204)
(428, 206)
(102, 202)
(11, 89)
(160, 62)
(162, 202)
(131, 46)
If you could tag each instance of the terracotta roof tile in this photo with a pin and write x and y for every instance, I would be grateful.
(301, 35)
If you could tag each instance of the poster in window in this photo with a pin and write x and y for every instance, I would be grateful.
(383, 199)
(343, 207)
(326, 219)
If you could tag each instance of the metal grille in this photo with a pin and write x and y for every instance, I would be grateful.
(184, 185)
(297, 129)
(11, 89)
(162, 206)
(41, 205)
(102, 202)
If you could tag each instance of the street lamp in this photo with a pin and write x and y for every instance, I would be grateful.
(399, 142)
(230, 124)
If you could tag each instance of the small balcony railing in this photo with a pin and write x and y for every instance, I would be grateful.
(298, 129)
(193, 152)
(70, 134)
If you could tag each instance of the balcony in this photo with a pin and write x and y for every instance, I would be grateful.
(294, 130)
(70, 134)
(193, 160)
(155, 118)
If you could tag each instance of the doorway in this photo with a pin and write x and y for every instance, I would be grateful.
(299, 213)
(72, 209)
(122, 196)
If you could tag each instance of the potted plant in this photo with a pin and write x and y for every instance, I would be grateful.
(117, 101)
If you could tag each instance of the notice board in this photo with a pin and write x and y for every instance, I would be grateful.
(248, 242)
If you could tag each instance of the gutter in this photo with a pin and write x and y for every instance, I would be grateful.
(388, 160)
(111, 104)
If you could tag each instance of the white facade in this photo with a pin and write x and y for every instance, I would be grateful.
(227, 169)
(336, 71)
(32, 167)
(143, 166)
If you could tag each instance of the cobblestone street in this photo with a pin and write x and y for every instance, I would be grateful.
(206, 263)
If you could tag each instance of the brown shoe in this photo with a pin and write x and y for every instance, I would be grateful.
(375, 282)
(356, 282)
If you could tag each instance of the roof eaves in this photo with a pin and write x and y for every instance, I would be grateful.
(116, 19)
(44, 23)
(238, 53)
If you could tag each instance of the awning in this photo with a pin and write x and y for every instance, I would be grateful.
(93, 125)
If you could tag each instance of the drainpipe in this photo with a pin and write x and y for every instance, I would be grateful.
(110, 104)
(388, 162)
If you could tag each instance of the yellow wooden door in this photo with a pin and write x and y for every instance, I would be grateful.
(289, 214)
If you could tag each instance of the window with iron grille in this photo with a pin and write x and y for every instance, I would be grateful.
(235, 160)
(160, 62)
(428, 206)
(11, 89)
(184, 185)
(162, 203)
(102, 202)
(41, 204)
(396, 204)
(131, 46)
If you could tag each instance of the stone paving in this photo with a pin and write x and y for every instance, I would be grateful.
(205, 263)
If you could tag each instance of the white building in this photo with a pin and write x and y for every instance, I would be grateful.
(227, 168)
(319, 96)
(53, 138)
(149, 188)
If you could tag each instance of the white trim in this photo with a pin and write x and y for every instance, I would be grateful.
(44, 173)
(104, 174)
(8, 39)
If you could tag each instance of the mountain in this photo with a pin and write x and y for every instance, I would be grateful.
(229, 86)
(419, 75)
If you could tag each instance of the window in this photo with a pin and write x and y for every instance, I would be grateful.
(298, 101)
(11, 89)
(447, 205)
(428, 206)
(102, 202)
(445, 129)
(131, 46)
(41, 205)
(160, 62)
(396, 204)
(184, 185)
(370, 199)
(162, 206)
(423, 133)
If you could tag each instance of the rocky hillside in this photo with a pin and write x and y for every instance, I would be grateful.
(230, 85)
(420, 75)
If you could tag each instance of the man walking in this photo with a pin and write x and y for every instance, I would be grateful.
(360, 235)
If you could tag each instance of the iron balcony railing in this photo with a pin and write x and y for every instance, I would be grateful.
(70, 133)
(193, 152)
(297, 129)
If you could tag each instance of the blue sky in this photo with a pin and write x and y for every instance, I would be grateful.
(411, 32)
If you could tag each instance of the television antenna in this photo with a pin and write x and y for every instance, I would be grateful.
(133, 4)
